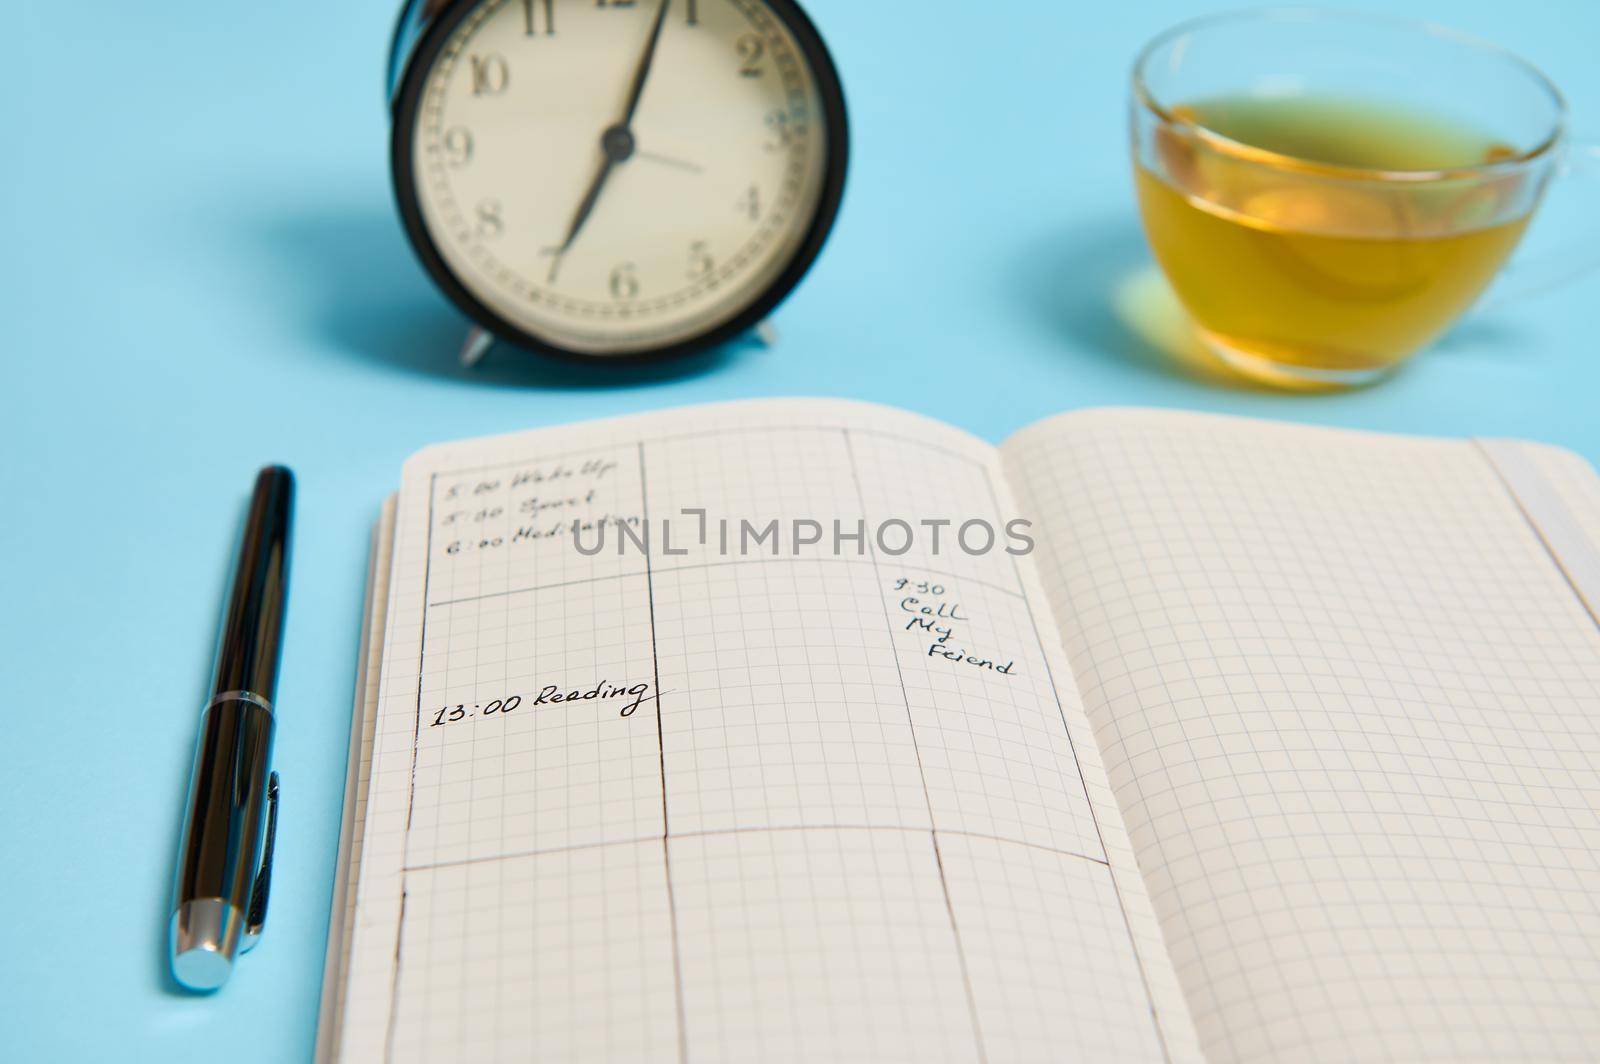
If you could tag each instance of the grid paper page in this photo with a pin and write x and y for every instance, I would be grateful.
(1351, 710)
(770, 817)
(1560, 496)
(1573, 480)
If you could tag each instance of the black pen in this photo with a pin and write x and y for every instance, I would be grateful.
(225, 858)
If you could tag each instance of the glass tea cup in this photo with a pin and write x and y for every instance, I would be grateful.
(1328, 191)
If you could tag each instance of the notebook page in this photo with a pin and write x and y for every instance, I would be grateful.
(1350, 708)
(341, 917)
(1573, 480)
(1560, 496)
(696, 804)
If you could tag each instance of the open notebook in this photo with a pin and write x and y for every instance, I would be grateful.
(1282, 743)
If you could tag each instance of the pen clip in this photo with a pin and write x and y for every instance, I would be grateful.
(256, 919)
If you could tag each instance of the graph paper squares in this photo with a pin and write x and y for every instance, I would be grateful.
(807, 742)
(1352, 713)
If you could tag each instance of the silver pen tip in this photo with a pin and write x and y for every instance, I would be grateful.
(205, 937)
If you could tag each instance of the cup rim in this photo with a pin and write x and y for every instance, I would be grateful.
(1252, 153)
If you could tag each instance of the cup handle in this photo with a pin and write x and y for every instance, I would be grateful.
(1545, 271)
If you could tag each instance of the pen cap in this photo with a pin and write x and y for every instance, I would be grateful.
(252, 626)
(232, 793)
(205, 937)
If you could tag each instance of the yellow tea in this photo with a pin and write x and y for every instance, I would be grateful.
(1326, 235)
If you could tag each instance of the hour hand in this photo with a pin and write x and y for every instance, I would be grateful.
(616, 143)
(586, 205)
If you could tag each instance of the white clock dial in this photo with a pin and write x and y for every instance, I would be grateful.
(614, 177)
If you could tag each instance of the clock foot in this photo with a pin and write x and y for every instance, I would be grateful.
(477, 345)
(766, 334)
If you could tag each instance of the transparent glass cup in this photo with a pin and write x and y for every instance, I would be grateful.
(1303, 270)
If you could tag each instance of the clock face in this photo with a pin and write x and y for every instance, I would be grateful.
(619, 177)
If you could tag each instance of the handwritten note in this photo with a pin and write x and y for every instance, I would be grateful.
(533, 503)
(929, 611)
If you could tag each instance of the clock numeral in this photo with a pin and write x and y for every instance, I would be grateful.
(693, 14)
(752, 49)
(490, 223)
(458, 146)
(616, 3)
(624, 281)
(782, 132)
(750, 203)
(530, 17)
(700, 261)
(490, 75)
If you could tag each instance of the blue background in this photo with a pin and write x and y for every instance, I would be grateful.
(203, 271)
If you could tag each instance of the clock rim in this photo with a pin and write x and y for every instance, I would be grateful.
(403, 127)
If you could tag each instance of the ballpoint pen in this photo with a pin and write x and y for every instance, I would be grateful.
(225, 858)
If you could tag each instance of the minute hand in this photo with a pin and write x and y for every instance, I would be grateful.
(643, 72)
(616, 143)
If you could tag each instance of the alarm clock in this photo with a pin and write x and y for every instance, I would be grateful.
(615, 179)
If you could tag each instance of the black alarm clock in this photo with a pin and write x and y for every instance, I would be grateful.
(615, 179)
